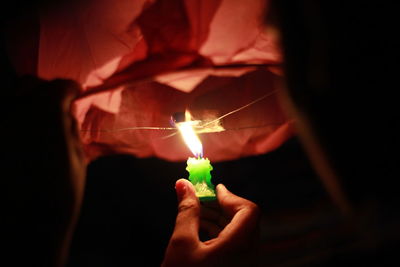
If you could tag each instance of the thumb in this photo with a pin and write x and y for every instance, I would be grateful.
(188, 218)
(244, 219)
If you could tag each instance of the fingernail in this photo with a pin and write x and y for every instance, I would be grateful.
(221, 187)
(180, 188)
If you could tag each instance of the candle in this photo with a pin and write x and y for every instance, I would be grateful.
(198, 167)
(199, 174)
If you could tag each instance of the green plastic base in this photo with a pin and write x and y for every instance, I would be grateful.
(204, 192)
(207, 198)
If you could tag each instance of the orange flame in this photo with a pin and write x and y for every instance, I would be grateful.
(189, 135)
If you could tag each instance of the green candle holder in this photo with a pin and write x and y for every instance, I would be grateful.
(199, 175)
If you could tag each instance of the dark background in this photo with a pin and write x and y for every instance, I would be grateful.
(342, 70)
(130, 208)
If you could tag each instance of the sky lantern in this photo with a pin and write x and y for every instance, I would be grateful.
(141, 62)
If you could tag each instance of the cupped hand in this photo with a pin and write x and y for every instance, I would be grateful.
(233, 230)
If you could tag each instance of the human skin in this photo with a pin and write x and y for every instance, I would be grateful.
(234, 244)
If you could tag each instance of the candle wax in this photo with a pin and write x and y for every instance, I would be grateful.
(199, 174)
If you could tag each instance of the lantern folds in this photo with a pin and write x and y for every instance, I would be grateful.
(140, 62)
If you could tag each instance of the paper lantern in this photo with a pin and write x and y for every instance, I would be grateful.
(139, 62)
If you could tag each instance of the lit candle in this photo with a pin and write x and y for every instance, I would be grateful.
(199, 174)
(198, 167)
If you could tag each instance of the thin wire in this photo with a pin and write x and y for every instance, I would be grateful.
(242, 107)
(130, 128)
(251, 127)
(170, 135)
(230, 129)
(232, 112)
(208, 123)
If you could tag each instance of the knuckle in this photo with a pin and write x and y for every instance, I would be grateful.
(253, 207)
(188, 205)
(226, 199)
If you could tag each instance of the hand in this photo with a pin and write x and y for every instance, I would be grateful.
(231, 246)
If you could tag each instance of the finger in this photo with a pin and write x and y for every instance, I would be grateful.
(244, 219)
(231, 203)
(187, 221)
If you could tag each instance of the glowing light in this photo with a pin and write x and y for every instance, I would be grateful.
(189, 135)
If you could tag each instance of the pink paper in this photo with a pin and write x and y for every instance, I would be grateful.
(141, 61)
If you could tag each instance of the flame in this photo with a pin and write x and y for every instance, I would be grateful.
(189, 135)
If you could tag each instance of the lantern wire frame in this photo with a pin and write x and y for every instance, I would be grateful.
(201, 126)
